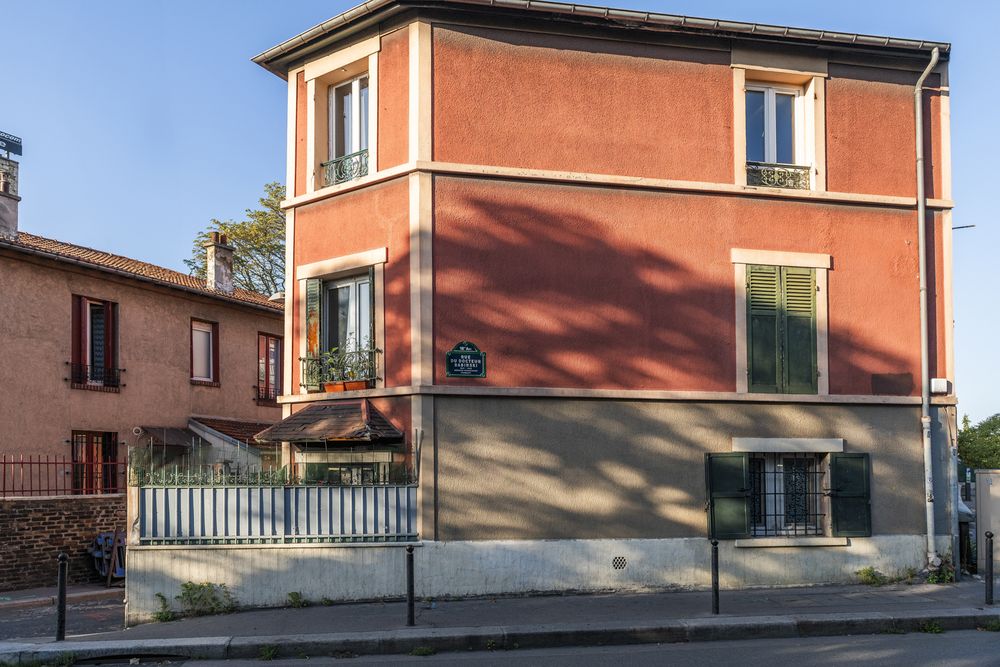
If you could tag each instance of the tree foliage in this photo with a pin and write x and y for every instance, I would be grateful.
(979, 445)
(259, 242)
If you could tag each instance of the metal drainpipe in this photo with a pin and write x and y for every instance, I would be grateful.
(925, 382)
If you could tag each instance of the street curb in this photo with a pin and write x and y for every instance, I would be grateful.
(510, 637)
(50, 600)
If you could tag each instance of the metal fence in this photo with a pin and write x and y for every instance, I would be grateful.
(59, 476)
(262, 514)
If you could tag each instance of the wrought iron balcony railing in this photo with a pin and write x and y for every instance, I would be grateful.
(98, 378)
(265, 394)
(346, 168)
(334, 367)
(771, 175)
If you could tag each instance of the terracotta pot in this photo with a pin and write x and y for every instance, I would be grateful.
(354, 385)
(333, 386)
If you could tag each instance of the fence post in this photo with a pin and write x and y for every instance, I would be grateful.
(715, 576)
(410, 621)
(989, 567)
(61, 598)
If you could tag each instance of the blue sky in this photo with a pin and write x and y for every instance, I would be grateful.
(142, 121)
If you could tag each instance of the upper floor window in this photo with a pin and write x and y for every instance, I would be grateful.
(94, 362)
(268, 367)
(775, 137)
(204, 352)
(347, 142)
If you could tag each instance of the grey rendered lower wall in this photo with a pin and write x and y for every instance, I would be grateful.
(542, 468)
(262, 576)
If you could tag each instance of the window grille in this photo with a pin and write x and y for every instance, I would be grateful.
(787, 494)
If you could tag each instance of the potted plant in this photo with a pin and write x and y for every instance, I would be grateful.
(331, 373)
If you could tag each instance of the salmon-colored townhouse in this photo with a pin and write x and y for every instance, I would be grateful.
(618, 281)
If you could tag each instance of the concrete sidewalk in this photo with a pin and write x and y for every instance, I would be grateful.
(44, 597)
(512, 623)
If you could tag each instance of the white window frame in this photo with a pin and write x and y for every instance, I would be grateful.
(355, 61)
(799, 154)
(198, 325)
(353, 283)
(331, 127)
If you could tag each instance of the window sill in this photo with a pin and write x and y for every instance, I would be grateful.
(204, 383)
(778, 542)
(96, 387)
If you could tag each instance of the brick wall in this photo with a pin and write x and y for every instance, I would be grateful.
(34, 530)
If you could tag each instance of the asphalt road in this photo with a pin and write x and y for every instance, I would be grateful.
(951, 649)
(81, 618)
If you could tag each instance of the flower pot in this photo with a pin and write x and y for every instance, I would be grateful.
(355, 385)
(333, 386)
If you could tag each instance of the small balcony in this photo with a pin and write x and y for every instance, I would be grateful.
(341, 371)
(769, 175)
(95, 378)
(265, 395)
(346, 168)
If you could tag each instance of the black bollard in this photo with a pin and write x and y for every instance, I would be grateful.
(61, 598)
(409, 587)
(715, 576)
(989, 567)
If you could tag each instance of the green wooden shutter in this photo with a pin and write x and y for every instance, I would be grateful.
(850, 495)
(798, 341)
(311, 366)
(728, 481)
(763, 315)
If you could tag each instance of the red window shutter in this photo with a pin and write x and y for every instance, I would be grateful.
(215, 352)
(78, 334)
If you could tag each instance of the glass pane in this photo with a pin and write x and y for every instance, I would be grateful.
(273, 363)
(96, 341)
(755, 126)
(261, 360)
(343, 100)
(784, 128)
(364, 315)
(344, 339)
(363, 112)
(201, 342)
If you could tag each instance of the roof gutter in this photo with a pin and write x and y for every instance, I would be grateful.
(933, 560)
(133, 276)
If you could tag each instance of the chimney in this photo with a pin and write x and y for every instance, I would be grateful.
(219, 263)
(8, 199)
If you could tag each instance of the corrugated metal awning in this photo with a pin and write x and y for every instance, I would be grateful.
(341, 421)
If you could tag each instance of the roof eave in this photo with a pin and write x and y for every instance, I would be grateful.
(133, 276)
(357, 18)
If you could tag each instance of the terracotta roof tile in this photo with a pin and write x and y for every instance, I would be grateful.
(106, 260)
(343, 421)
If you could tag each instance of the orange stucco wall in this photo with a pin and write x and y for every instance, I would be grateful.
(393, 99)
(870, 136)
(376, 217)
(301, 136)
(633, 289)
(39, 410)
(548, 102)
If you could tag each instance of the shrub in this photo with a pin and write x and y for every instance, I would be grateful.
(206, 598)
(296, 600)
(872, 577)
(164, 613)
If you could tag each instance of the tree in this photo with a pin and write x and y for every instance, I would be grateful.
(979, 445)
(259, 242)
